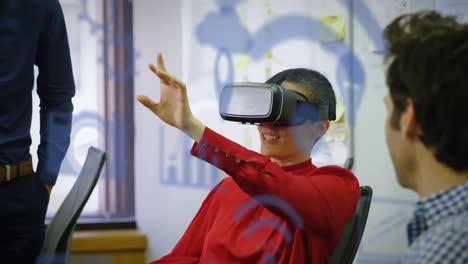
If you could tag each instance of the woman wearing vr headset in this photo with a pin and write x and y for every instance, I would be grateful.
(304, 208)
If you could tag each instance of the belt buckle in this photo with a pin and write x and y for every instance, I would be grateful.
(7, 172)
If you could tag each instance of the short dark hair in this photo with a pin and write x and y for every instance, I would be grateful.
(428, 64)
(319, 89)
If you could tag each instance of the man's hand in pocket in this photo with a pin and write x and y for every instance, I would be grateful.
(48, 187)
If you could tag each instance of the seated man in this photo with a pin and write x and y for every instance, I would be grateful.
(427, 131)
(304, 207)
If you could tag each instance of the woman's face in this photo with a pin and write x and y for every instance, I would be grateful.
(290, 145)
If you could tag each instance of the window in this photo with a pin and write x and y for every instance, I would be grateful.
(101, 47)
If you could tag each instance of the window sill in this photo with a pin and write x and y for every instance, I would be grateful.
(108, 246)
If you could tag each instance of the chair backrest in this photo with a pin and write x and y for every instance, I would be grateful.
(348, 245)
(59, 231)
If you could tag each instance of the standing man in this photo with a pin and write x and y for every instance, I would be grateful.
(32, 32)
(427, 131)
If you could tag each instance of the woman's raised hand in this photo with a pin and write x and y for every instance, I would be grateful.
(173, 107)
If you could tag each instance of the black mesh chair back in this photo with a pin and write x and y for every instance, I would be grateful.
(348, 245)
(59, 231)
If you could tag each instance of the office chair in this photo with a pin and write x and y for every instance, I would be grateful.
(348, 244)
(59, 232)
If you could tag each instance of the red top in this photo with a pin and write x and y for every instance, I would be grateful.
(266, 212)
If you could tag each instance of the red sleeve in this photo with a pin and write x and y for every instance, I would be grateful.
(189, 248)
(323, 200)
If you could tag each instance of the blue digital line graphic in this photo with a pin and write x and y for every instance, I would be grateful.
(269, 223)
(86, 17)
(89, 120)
(81, 121)
(384, 228)
(223, 31)
(86, 121)
(277, 204)
(180, 169)
(234, 39)
(129, 52)
(270, 201)
(96, 26)
(125, 42)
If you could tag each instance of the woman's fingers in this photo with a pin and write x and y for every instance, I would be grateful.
(168, 78)
(178, 83)
(157, 72)
(163, 75)
(148, 103)
(160, 68)
(160, 61)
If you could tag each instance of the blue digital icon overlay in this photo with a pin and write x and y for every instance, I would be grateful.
(129, 52)
(86, 17)
(85, 122)
(124, 43)
(88, 129)
(383, 231)
(180, 169)
(275, 204)
(96, 26)
(235, 39)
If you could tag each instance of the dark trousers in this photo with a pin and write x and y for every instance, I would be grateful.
(23, 206)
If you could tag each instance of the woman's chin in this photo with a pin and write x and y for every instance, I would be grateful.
(269, 151)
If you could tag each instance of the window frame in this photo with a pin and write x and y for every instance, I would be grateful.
(118, 109)
(116, 185)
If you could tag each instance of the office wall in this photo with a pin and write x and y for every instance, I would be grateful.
(160, 213)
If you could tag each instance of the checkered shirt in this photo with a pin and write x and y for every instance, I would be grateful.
(438, 232)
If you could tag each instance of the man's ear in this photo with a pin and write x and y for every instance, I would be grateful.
(408, 123)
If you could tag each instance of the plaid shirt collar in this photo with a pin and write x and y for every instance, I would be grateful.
(433, 209)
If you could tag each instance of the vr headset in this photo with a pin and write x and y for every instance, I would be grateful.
(265, 103)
